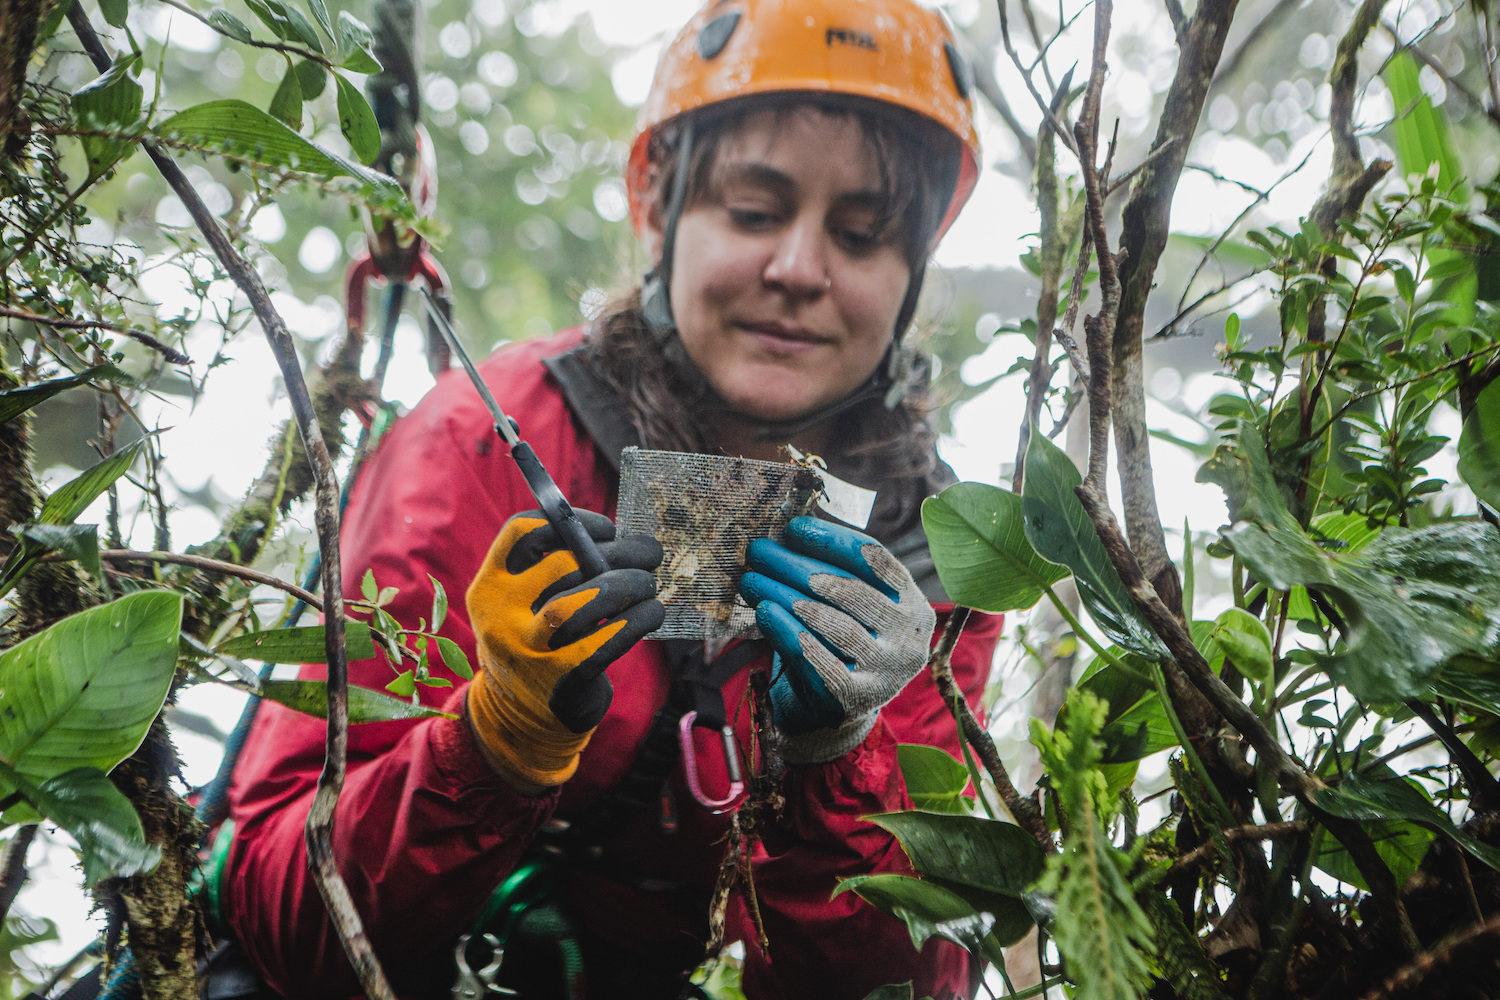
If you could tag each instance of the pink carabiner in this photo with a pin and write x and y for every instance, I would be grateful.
(690, 766)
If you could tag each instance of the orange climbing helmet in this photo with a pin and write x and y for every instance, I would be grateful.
(895, 51)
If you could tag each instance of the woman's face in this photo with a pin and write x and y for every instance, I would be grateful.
(784, 295)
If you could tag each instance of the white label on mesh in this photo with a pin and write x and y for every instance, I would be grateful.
(845, 501)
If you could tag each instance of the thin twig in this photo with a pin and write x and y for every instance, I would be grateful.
(212, 566)
(1484, 790)
(1477, 940)
(173, 355)
(283, 47)
(1024, 811)
(13, 868)
(320, 817)
(1269, 831)
(1058, 126)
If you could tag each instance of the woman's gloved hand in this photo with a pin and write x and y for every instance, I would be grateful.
(537, 622)
(850, 628)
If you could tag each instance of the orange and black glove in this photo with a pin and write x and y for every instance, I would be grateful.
(541, 628)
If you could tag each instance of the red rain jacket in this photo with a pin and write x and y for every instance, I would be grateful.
(425, 830)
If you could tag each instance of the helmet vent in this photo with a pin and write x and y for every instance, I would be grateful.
(963, 73)
(715, 34)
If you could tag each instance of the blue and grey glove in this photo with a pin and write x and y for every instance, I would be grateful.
(850, 628)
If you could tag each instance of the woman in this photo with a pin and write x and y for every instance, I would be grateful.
(795, 166)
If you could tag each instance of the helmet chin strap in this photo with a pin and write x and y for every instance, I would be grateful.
(887, 383)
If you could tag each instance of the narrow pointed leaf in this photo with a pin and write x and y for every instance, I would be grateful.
(454, 658)
(229, 24)
(73, 497)
(286, 103)
(1366, 797)
(1479, 447)
(924, 906)
(303, 644)
(365, 705)
(17, 401)
(357, 121)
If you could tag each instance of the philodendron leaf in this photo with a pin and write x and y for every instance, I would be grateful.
(1337, 531)
(1243, 472)
(927, 909)
(243, 131)
(1479, 447)
(1060, 530)
(987, 862)
(109, 107)
(83, 692)
(934, 780)
(978, 541)
(365, 705)
(357, 121)
(1401, 845)
(91, 809)
(17, 401)
(1410, 600)
(303, 644)
(1245, 641)
(1367, 797)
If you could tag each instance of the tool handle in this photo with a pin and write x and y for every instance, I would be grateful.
(552, 502)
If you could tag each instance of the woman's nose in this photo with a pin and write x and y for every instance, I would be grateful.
(798, 264)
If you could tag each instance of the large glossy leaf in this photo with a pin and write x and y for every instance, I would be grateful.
(15, 402)
(109, 104)
(91, 809)
(1410, 600)
(1479, 447)
(243, 131)
(303, 644)
(83, 692)
(365, 705)
(928, 910)
(1242, 470)
(74, 541)
(1060, 530)
(934, 780)
(1401, 845)
(978, 540)
(1388, 796)
(986, 862)
(1338, 531)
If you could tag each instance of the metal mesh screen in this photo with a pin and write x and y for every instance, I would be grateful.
(704, 509)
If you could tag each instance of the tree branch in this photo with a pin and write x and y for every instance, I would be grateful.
(173, 355)
(13, 868)
(1478, 940)
(212, 566)
(320, 817)
(1269, 831)
(1145, 223)
(1024, 811)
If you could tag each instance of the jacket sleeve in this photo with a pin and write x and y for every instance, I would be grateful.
(842, 947)
(424, 829)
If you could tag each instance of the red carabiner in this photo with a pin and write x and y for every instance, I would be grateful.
(731, 764)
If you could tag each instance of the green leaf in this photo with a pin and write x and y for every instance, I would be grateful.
(1335, 531)
(302, 27)
(1421, 131)
(75, 541)
(357, 121)
(272, 14)
(320, 14)
(1366, 797)
(454, 658)
(1243, 471)
(115, 12)
(927, 909)
(356, 47)
(891, 991)
(439, 603)
(61, 509)
(1401, 845)
(83, 692)
(989, 863)
(17, 401)
(53, 20)
(404, 686)
(303, 644)
(367, 586)
(245, 132)
(313, 78)
(977, 537)
(1245, 640)
(286, 103)
(1479, 447)
(1060, 530)
(229, 24)
(365, 704)
(1410, 600)
(934, 780)
(91, 809)
(110, 103)
(73, 497)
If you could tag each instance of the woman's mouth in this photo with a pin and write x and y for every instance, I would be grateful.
(785, 337)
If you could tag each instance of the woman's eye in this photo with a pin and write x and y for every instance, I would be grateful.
(857, 240)
(752, 218)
